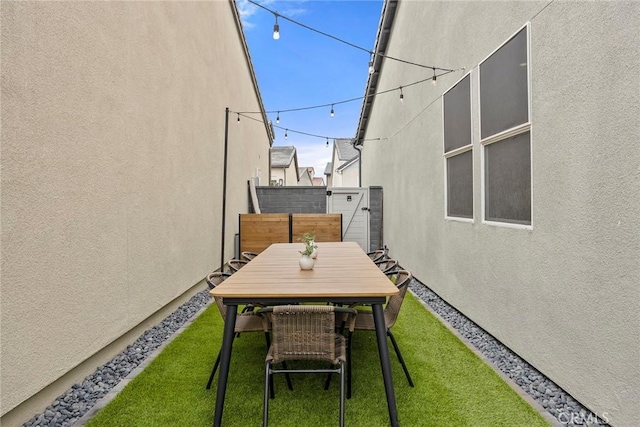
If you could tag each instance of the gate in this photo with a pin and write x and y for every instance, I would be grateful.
(353, 204)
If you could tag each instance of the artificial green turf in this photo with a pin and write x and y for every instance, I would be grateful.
(453, 386)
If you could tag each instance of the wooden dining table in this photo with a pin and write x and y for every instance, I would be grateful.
(343, 273)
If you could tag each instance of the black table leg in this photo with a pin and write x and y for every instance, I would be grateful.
(385, 362)
(225, 359)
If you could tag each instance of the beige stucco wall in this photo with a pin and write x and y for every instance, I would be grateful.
(564, 295)
(112, 148)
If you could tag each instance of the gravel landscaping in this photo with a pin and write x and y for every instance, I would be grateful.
(80, 398)
(552, 398)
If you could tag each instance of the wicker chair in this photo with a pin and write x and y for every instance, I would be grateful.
(306, 332)
(236, 264)
(364, 319)
(248, 256)
(387, 265)
(245, 322)
(378, 255)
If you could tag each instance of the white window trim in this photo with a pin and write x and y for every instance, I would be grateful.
(457, 151)
(517, 130)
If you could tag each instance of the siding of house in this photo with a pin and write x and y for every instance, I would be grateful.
(348, 176)
(563, 294)
(112, 143)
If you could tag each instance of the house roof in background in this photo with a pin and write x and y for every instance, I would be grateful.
(345, 148)
(347, 164)
(327, 169)
(318, 181)
(281, 157)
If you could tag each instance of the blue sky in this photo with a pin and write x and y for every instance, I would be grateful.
(304, 68)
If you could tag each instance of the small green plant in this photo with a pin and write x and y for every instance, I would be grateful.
(309, 245)
(307, 238)
(308, 250)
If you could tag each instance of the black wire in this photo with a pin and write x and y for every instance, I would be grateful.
(346, 42)
(296, 131)
(346, 100)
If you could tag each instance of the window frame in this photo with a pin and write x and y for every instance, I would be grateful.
(460, 150)
(505, 134)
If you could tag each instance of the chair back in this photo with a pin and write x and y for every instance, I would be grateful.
(213, 280)
(392, 309)
(378, 255)
(248, 256)
(303, 332)
(387, 265)
(236, 264)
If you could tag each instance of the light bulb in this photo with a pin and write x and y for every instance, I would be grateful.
(285, 134)
(238, 118)
(278, 118)
(331, 111)
(433, 80)
(327, 142)
(371, 68)
(401, 95)
(276, 30)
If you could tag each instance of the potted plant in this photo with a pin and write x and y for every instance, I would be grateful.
(306, 262)
(309, 240)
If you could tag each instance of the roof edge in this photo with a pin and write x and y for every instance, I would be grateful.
(265, 119)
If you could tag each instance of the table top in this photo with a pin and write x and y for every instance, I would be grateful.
(341, 270)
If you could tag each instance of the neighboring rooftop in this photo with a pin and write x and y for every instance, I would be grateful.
(344, 147)
(348, 163)
(281, 157)
(317, 181)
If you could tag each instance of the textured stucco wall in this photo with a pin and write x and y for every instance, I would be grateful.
(112, 148)
(564, 295)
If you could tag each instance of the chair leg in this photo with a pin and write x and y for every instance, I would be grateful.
(397, 349)
(213, 371)
(267, 385)
(341, 394)
(349, 365)
(271, 388)
(287, 377)
(328, 381)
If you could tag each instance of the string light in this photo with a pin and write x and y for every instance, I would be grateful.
(286, 134)
(401, 95)
(332, 111)
(278, 118)
(371, 67)
(349, 100)
(276, 29)
(327, 138)
(338, 39)
(433, 79)
(327, 142)
(238, 118)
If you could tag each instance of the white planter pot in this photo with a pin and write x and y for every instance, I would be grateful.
(306, 262)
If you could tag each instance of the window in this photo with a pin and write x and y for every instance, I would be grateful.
(456, 107)
(505, 132)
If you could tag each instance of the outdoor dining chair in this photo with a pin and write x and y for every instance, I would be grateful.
(306, 332)
(364, 319)
(236, 264)
(247, 321)
(248, 256)
(387, 265)
(378, 255)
